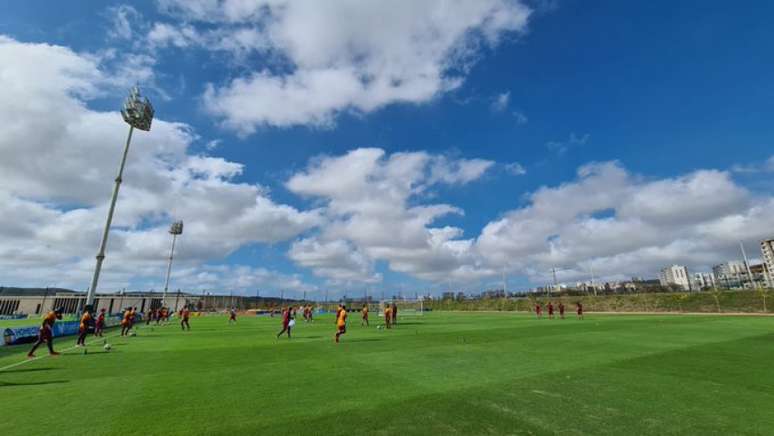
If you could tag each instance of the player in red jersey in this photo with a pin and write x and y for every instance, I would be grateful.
(538, 310)
(394, 314)
(184, 314)
(46, 333)
(561, 310)
(579, 310)
(287, 316)
(550, 308)
(100, 324)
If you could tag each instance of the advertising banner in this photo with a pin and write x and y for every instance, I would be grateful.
(20, 335)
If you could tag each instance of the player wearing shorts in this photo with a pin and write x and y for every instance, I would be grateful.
(287, 315)
(341, 322)
(561, 310)
(550, 308)
(232, 316)
(364, 315)
(388, 316)
(100, 324)
(83, 328)
(579, 310)
(46, 333)
(126, 322)
(394, 314)
(184, 314)
(538, 311)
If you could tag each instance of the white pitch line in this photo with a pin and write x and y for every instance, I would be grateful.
(13, 365)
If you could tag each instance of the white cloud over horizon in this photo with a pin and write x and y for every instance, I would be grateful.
(369, 207)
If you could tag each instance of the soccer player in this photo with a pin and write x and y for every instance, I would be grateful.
(46, 332)
(287, 315)
(561, 310)
(550, 310)
(184, 314)
(338, 312)
(83, 328)
(100, 324)
(341, 322)
(364, 315)
(388, 316)
(232, 316)
(394, 314)
(126, 322)
(132, 318)
(579, 310)
(311, 313)
(538, 310)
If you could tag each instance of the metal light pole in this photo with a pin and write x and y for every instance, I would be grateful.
(138, 113)
(175, 229)
(753, 283)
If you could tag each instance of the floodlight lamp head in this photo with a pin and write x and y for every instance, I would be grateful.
(137, 111)
(176, 228)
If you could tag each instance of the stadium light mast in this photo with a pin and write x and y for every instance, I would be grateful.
(175, 230)
(138, 113)
(753, 282)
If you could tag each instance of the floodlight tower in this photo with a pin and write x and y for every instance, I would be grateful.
(175, 230)
(138, 113)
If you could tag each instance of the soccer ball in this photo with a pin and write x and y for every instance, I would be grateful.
(107, 347)
(379, 327)
(133, 334)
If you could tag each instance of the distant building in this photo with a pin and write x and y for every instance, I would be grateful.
(732, 268)
(675, 275)
(767, 250)
(703, 280)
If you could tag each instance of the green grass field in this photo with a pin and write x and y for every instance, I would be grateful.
(443, 373)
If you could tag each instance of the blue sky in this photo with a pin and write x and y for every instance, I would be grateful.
(560, 101)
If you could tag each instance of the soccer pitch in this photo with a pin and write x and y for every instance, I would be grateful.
(442, 373)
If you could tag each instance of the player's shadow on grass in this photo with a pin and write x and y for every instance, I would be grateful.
(366, 340)
(51, 382)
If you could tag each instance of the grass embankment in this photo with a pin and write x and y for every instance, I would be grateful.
(442, 373)
(687, 302)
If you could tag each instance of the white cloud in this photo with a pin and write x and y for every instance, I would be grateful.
(337, 56)
(516, 169)
(122, 21)
(764, 167)
(58, 167)
(520, 117)
(500, 102)
(561, 147)
(371, 215)
(626, 225)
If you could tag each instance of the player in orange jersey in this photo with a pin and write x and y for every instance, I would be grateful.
(126, 322)
(364, 315)
(46, 332)
(341, 322)
(388, 316)
(83, 328)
